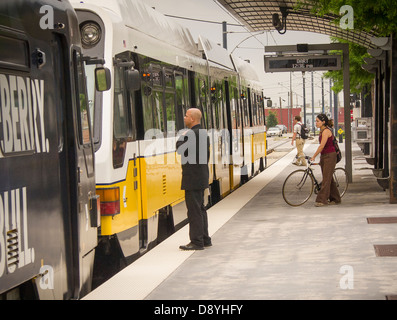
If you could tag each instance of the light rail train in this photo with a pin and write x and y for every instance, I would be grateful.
(158, 72)
(89, 177)
(48, 216)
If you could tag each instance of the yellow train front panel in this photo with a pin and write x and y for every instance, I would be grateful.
(121, 202)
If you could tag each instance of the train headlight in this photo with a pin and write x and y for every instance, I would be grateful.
(91, 34)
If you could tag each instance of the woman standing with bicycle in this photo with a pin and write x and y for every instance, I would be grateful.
(329, 190)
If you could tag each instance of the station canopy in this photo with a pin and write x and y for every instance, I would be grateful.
(257, 16)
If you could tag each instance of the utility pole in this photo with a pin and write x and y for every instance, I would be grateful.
(290, 103)
(322, 95)
(330, 97)
(336, 115)
(312, 102)
(304, 97)
(224, 34)
(281, 112)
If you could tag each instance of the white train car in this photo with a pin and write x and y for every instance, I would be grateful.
(158, 71)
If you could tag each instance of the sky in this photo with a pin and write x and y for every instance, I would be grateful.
(276, 84)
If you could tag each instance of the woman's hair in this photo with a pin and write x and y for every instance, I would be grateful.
(328, 122)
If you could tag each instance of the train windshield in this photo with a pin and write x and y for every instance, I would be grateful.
(94, 103)
(90, 69)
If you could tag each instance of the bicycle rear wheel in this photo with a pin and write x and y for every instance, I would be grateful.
(298, 187)
(340, 177)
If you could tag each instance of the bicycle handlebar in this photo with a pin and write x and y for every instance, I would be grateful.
(310, 162)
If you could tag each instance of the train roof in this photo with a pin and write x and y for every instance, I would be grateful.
(245, 69)
(137, 15)
(215, 54)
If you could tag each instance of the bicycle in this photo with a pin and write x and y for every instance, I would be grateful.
(299, 185)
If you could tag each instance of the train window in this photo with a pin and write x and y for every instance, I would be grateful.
(85, 136)
(147, 112)
(120, 112)
(13, 52)
(203, 91)
(170, 109)
(254, 109)
(158, 110)
(218, 103)
(236, 123)
(245, 112)
(180, 101)
(94, 103)
(260, 110)
(169, 79)
(18, 94)
(156, 75)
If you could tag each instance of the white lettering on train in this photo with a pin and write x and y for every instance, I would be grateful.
(14, 220)
(22, 114)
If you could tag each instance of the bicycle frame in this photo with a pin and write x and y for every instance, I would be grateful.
(309, 171)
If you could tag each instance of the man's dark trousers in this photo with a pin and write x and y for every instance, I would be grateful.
(197, 216)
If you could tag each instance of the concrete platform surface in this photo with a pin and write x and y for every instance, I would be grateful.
(265, 249)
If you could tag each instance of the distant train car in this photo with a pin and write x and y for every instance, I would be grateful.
(254, 117)
(158, 72)
(48, 221)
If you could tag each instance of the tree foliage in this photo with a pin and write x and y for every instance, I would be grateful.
(271, 120)
(378, 16)
(359, 78)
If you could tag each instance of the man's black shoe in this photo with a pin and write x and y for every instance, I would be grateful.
(208, 244)
(191, 246)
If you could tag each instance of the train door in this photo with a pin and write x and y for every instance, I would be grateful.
(236, 137)
(179, 213)
(247, 132)
(221, 136)
(83, 198)
(258, 134)
(200, 99)
(125, 171)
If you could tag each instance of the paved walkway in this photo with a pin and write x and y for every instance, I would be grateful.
(270, 250)
(265, 249)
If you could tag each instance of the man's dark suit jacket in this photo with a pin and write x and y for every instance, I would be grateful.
(195, 172)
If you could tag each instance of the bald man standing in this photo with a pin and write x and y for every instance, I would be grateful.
(193, 146)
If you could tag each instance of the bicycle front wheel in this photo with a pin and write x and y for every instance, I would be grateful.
(298, 187)
(340, 177)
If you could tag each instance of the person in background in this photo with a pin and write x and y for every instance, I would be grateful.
(329, 193)
(193, 146)
(300, 157)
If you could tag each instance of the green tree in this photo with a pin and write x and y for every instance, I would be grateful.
(375, 17)
(271, 120)
(378, 16)
(359, 78)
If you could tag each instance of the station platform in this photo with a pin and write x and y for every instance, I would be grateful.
(264, 249)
